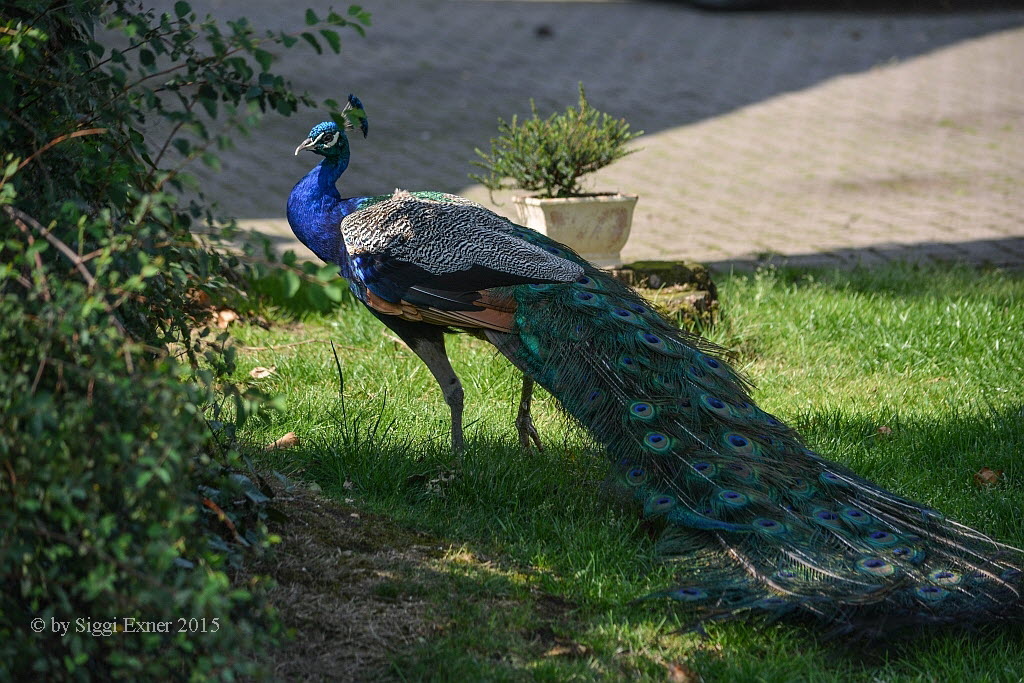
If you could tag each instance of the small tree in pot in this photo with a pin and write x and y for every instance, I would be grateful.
(548, 157)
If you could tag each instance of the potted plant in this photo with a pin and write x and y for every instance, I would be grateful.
(548, 157)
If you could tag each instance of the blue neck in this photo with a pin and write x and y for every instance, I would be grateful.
(316, 209)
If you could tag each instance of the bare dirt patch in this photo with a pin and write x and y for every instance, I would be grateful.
(346, 584)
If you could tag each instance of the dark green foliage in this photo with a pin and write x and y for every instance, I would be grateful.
(117, 500)
(549, 156)
(101, 521)
(297, 288)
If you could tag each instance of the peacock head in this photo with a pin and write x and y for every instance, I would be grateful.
(328, 138)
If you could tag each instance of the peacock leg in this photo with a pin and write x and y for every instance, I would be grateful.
(427, 342)
(431, 352)
(508, 345)
(524, 421)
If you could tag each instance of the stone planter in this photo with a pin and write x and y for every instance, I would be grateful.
(596, 227)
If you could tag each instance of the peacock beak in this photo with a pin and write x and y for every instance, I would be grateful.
(308, 143)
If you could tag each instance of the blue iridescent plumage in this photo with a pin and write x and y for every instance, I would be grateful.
(755, 521)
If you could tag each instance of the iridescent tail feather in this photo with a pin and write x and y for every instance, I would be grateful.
(756, 522)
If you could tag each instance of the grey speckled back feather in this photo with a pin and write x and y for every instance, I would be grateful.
(449, 236)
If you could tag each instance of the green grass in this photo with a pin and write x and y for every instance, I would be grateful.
(542, 567)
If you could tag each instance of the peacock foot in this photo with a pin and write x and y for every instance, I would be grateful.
(527, 432)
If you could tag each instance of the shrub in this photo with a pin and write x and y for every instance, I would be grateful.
(549, 156)
(295, 289)
(117, 500)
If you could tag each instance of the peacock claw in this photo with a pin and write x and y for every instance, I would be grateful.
(527, 432)
(524, 421)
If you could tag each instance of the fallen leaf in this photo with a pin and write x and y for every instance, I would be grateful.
(987, 476)
(199, 297)
(884, 431)
(566, 648)
(261, 372)
(225, 317)
(680, 673)
(289, 440)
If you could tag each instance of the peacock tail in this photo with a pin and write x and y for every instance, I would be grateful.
(756, 521)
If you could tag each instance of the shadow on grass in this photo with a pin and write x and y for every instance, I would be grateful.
(503, 565)
(934, 459)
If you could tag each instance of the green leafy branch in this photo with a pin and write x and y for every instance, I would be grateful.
(104, 443)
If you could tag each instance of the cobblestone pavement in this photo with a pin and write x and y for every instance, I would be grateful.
(820, 136)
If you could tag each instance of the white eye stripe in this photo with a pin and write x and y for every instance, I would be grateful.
(334, 139)
(317, 138)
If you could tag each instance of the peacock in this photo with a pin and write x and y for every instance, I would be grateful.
(757, 523)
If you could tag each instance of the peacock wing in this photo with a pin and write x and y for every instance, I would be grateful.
(435, 251)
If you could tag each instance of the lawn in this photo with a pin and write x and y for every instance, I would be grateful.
(524, 569)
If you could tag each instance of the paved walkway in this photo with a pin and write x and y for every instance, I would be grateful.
(821, 136)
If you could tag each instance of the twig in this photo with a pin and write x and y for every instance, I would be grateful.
(29, 77)
(222, 516)
(40, 269)
(24, 222)
(167, 142)
(42, 272)
(148, 40)
(39, 375)
(59, 139)
(286, 346)
(38, 260)
(400, 342)
(128, 88)
(171, 174)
